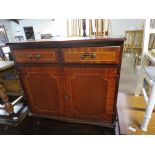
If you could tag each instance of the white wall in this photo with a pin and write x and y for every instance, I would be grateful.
(8, 28)
(40, 26)
(17, 30)
(58, 27)
(119, 26)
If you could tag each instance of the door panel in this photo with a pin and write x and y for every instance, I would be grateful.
(44, 88)
(91, 93)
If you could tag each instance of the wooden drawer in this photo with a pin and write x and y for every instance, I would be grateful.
(35, 56)
(107, 55)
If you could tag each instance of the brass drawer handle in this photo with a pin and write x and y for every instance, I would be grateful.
(91, 55)
(37, 56)
(67, 96)
(29, 56)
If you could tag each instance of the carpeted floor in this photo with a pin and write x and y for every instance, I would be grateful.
(128, 76)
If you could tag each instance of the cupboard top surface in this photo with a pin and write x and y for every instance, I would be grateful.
(68, 42)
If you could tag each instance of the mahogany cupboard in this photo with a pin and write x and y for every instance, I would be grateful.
(71, 79)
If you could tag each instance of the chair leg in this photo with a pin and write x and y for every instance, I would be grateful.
(139, 83)
(140, 78)
(136, 60)
(149, 110)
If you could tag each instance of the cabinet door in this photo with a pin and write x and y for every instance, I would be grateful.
(90, 93)
(44, 87)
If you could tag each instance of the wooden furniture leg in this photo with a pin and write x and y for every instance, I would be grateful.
(149, 110)
(7, 105)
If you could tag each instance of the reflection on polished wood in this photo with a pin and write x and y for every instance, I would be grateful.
(131, 111)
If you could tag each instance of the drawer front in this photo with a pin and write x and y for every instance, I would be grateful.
(35, 56)
(107, 55)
